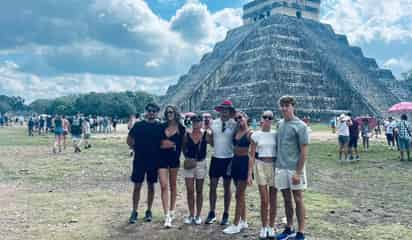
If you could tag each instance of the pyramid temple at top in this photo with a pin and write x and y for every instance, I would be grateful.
(283, 49)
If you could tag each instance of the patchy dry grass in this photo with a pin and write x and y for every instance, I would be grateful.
(87, 195)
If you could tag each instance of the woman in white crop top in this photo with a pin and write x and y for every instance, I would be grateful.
(263, 154)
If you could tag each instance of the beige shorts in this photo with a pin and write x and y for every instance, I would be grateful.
(283, 180)
(199, 172)
(264, 173)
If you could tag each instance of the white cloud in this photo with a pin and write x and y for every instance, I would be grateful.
(103, 45)
(368, 20)
(402, 64)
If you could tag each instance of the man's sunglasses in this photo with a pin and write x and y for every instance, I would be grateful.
(152, 110)
(267, 117)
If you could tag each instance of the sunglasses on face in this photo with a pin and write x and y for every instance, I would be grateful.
(267, 117)
(238, 118)
(169, 112)
(151, 110)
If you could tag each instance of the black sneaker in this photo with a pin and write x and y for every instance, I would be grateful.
(299, 236)
(225, 219)
(148, 216)
(133, 217)
(286, 234)
(211, 218)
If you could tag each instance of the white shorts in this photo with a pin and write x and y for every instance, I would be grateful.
(283, 180)
(199, 172)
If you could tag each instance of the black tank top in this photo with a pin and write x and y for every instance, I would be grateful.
(196, 150)
(242, 142)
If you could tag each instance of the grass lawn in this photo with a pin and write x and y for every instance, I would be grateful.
(87, 195)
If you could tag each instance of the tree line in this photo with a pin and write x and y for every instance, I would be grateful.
(120, 104)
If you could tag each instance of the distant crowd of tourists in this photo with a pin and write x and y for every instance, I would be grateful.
(350, 130)
(274, 159)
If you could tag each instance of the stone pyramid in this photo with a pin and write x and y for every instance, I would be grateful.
(282, 55)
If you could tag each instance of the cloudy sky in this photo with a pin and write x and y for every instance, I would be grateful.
(50, 48)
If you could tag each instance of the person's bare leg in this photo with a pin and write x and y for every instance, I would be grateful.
(136, 195)
(150, 195)
(300, 209)
(264, 202)
(164, 188)
(199, 196)
(273, 206)
(240, 212)
(227, 194)
(173, 187)
(190, 182)
(212, 193)
(287, 198)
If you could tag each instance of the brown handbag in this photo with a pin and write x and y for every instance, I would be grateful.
(189, 164)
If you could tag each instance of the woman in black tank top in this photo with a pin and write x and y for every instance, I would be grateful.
(168, 164)
(195, 148)
(240, 170)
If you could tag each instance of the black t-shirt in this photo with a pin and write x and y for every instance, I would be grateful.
(76, 126)
(147, 137)
(354, 129)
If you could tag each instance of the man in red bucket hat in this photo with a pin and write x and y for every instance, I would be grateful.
(220, 136)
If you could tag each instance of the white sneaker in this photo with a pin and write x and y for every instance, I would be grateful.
(263, 233)
(243, 224)
(189, 220)
(198, 220)
(172, 215)
(168, 222)
(232, 229)
(271, 233)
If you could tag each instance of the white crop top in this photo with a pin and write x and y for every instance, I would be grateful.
(265, 143)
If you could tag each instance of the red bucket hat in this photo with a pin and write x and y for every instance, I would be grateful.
(227, 104)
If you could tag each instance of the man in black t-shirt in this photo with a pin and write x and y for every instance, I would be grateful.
(144, 138)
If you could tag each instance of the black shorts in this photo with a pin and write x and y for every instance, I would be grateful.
(168, 163)
(219, 167)
(240, 168)
(140, 170)
(353, 142)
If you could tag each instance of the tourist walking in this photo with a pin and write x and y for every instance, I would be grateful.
(389, 132)
(195, 168)
(221, 137)
(169, 161)
(292, 142)
(365, 131)
(343, 136)
(263, 157)
(239, 171)
(76, 131)
(66, 127)
(30, 126)
(145, 137)
(404, 134)
(353, 139)
(57, 123)
(86, 133)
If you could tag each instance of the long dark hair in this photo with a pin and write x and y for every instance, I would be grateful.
(175, 110)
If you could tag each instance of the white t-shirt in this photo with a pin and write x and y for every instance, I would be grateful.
(389, 126)
(223, 141)
(265, 143)
(343, 128)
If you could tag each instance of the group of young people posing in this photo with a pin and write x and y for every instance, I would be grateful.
(275, 160)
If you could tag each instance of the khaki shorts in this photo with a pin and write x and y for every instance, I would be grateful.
(199, 172)
(264, 173)
(283, 180)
